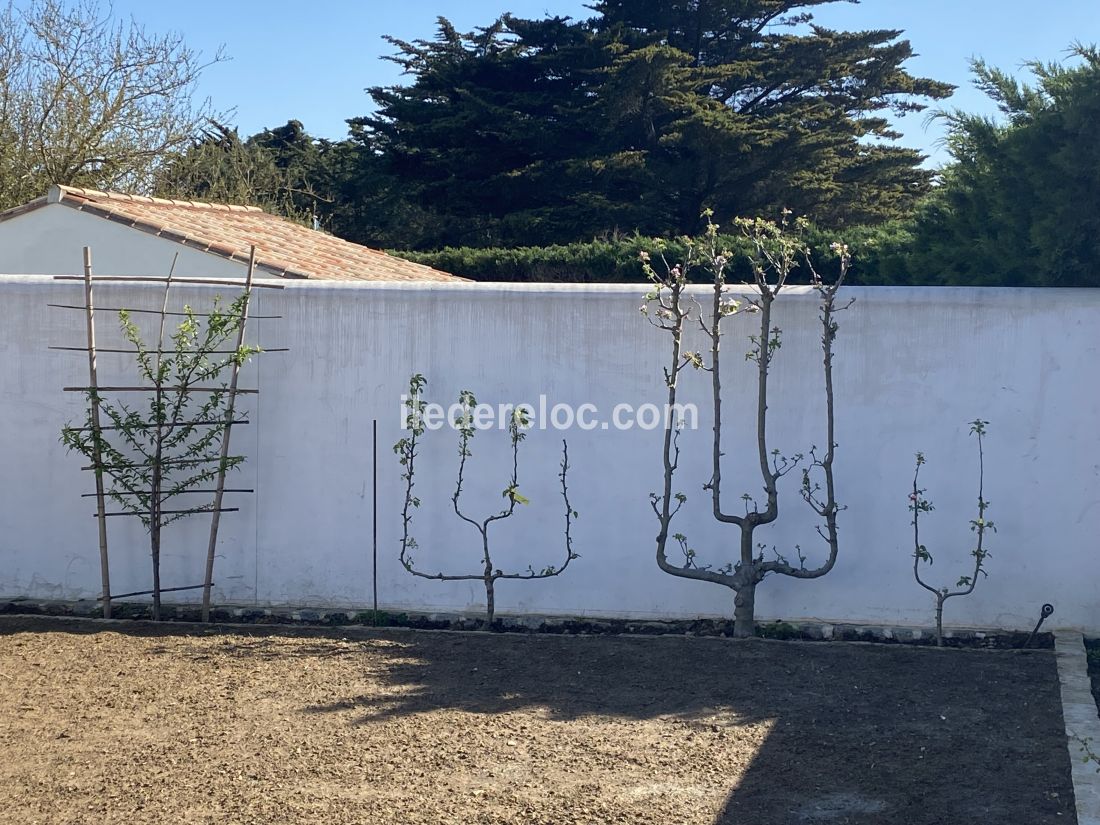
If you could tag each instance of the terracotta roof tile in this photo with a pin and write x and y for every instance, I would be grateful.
(282, 247)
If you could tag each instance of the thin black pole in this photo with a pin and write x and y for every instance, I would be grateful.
(374, 513)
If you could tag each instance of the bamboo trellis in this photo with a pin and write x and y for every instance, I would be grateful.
(103, 469)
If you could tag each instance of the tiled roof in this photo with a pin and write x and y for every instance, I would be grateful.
(283, 248)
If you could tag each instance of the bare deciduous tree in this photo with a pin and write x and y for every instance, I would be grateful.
(87, 100)
(919, 504)
(407, 452)
(776, 252)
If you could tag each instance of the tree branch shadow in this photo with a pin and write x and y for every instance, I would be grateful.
(857, 733)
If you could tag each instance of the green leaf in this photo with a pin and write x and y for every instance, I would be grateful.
(512, 493)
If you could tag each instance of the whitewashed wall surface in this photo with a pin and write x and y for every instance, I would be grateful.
(913, 367)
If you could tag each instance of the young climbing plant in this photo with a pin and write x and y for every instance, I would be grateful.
(157, 459)
(776, 249)
(407, 451)
(919, 505)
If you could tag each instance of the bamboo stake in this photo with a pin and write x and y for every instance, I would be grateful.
(156, 312)
(215, 517)
(156, 279)
(196, 423)
(97, 457)
(102, 350)
(163, 512)
(158, 471)
(212, 390)
(163, 590)
(177, 493)
(183, 462)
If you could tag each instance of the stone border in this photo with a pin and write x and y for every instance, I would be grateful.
(1082, 722)
(971, 638)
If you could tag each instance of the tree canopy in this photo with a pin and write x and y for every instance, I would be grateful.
(556, 130)
(88, 101)
(547, 148)
(1016, 207)
(284, 170)
(1021, 204)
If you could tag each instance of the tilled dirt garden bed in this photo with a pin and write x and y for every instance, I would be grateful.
(134, 723)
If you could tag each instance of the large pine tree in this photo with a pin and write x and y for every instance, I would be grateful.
(541, 131)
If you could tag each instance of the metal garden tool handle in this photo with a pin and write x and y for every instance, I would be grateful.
(1044, 614)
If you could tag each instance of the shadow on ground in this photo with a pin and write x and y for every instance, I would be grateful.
(861, 733)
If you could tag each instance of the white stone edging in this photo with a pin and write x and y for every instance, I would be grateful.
(1082, 723)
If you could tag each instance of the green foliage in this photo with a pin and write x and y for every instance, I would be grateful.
(283, 170)
(173, 447)
(1016, 208)
(556, 131)
(778, 630)
(1092, 653)
(553, 130)
(551, 150)
(618, 259)
(381, 618)
(598, 261)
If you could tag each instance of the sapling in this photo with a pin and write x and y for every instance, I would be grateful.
(919, 504)
(407, 452)
(775, 253)
(157, 459)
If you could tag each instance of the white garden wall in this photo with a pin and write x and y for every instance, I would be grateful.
(913, 367)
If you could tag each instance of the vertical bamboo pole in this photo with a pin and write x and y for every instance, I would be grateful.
(97, 433)
(215, 517)
(157, 485)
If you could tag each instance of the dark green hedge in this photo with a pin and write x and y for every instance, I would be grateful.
(878, 258)
(589, 262)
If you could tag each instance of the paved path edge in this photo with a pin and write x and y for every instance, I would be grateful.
(1082, 723)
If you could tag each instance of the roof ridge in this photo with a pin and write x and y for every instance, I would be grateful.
(59, 191)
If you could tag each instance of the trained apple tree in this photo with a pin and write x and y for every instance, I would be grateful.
(775, 250)
(407, 450)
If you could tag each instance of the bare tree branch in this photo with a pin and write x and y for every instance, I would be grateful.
(775, 253)
(406, 450)
(86, 100)
(919, 504)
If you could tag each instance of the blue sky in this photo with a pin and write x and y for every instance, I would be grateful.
(312, 60)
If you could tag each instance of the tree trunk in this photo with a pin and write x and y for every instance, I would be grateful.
(490, 601)
(939, 621)
(744, 612)
(744, 603)
(154, 543)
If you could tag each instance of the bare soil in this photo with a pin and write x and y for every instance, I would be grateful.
(135, 723)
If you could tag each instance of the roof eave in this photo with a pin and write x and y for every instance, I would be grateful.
(23, 208)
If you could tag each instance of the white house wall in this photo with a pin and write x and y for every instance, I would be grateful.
(50, 241)
(913, 367)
